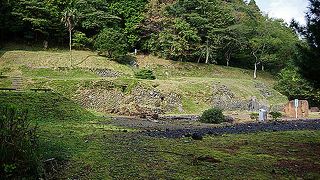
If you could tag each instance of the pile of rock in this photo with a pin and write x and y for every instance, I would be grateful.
(105, 97)
(106, 72)
(264, 90)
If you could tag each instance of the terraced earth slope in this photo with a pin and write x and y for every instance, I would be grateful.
(78, 142)
(107, 86)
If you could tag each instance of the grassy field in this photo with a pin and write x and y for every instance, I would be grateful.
(193, 82)
(88, 146)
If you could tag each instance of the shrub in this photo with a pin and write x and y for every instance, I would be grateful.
(254, 116)
(213, 116)
(81, 41)
(291, 84)
(275, 115)
(112, 43)
(145, 74)
(18, 145)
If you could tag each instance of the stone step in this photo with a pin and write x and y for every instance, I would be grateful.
(17, 83)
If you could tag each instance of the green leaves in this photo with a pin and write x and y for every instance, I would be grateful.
(81, 41)
(212, 116)
(292, 84)
(18, 144)
(145, 74)
(178, 41)
(112, 43)
(94, 15)
(186, 30)
(309, 59)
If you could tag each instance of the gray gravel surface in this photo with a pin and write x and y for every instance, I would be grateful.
(154, 125)
(176, 127)
(241, 128)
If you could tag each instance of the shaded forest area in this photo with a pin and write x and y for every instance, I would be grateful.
(224, 32)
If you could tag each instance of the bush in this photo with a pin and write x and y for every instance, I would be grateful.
(293, 85)
(145, 74)
(213, 116)
(254, 116)
(111, 43)
(81, 41)
(18, 145)
(275, 115)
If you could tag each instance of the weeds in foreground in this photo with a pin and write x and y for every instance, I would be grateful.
(18, 144)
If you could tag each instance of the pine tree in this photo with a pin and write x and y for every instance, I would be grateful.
(309, 59)
(254, 5)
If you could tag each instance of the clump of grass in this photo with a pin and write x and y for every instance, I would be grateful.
(18, 142)
(145, 74)
(275, 115)
(254, 116)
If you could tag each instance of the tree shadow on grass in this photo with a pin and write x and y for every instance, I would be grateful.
(2, 52)
(127, 60)
(34, 46)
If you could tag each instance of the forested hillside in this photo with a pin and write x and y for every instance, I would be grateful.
(225, 32)
(208, 31)
(157, 89)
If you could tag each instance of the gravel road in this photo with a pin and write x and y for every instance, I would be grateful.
(240, 128)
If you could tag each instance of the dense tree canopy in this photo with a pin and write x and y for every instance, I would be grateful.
(309, 59)
(228, 32)
(301, 79)
(215, 31)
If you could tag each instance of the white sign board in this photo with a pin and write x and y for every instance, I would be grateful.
(296, 103)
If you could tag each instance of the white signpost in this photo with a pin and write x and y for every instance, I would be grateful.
(296, 105)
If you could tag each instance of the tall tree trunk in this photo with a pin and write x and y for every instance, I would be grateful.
(255, 66)
(207, 52)
(227, 56)
(255, 70)
(70, 45)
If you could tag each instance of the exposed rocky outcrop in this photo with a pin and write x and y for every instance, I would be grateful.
(136, 99)
(106, 72)
(104, 100)
(106, 97)
(264, 90)
(225, 99)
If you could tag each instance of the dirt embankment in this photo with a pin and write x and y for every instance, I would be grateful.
(137, 99)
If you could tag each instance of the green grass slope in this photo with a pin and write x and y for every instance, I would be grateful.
(192, 82)
(46, 107)
(64, 129)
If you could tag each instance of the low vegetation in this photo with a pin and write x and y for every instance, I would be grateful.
(192, 83)
(212, 116)
(254, 116)
(145, 74)
(276, 115)
(18, 144)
